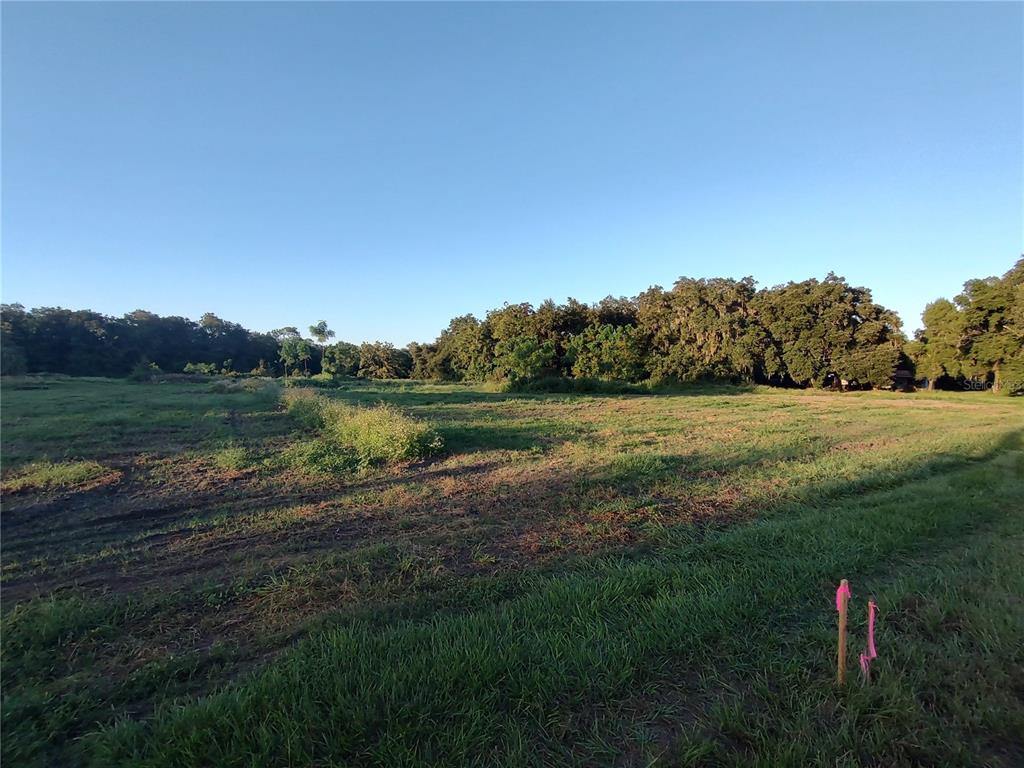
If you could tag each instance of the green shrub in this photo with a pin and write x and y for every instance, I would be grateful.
(382, 434)
(205, 369)
(352, 435)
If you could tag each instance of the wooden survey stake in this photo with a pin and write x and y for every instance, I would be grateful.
(842, 599)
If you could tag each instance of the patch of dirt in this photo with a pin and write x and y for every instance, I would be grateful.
(173, 524)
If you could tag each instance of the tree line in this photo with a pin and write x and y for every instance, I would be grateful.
(977, 338)
(809, 333)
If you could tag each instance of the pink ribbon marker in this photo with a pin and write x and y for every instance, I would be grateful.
(843, 591)
(865, 658)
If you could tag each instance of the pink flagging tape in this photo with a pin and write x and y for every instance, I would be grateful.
(872, 653)
(843, 591)
(865, 658)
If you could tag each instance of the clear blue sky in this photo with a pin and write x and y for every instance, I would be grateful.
(386, 167)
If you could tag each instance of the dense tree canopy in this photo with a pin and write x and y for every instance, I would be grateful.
(978, 338)
(798, 334)
(807, 333)
(295, 351)
(85, 343)
(381, 360)
(341, 359)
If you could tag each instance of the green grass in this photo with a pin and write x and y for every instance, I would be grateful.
(62, 418)
(578, 580)
(541, 677)
(46, 475)
(234, 457)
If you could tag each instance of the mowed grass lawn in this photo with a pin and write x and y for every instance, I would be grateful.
(575, 580)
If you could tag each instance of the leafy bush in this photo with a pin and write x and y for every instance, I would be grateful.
(352, 435)
(205, 369)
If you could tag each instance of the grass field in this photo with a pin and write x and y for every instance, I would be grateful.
(574, 580)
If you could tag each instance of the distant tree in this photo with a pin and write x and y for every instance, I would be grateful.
(522, 358)
(608, 352)
(381, 360)
(936, 350)
(226, 343)
(12, 360)
(280, 334)
(557, 322)
(341, 359)
(817, 330)
(511, 321)
(80, 342)
(321, 332)
(425, 362)
(13, 332)
(992, 344)
(801, 333)
(262, 347)
(978, 336)
(295, 350)
(613, 310)
(465, 350)
(701, 329)
(212, 324)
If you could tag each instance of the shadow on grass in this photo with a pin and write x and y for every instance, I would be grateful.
(508, 436)
(415, 394)
(577, 647)
(612, 596)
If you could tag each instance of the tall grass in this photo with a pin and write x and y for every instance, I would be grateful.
(349, 435)
(305, 406)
